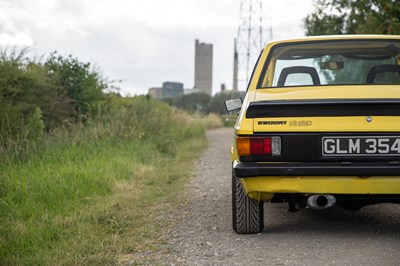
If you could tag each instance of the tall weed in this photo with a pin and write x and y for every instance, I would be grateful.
(88, 192)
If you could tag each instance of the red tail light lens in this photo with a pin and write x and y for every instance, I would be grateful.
(258, 146)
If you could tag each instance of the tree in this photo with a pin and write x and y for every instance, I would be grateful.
(81, 83)
(217, 104)
(28, 95)
(37, 96)
(194, 102)
(353, 17)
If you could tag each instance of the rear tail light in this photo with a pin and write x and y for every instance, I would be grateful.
(258, 146)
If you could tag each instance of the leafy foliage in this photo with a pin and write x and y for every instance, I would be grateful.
(35, 126)
(354, 17)
(84, 86)
(25, 86)
(59, 91)
(217, 104)
(194, 102)
(203, 103)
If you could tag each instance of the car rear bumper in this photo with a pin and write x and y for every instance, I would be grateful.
(361, 169)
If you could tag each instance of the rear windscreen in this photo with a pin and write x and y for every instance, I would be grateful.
(333, 63)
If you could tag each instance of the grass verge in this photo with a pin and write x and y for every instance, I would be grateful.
(93, 201)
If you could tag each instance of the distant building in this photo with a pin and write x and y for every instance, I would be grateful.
(190, 91)
(223, 87)
(171, 89)
(155, 92)
(168, 90)
(203, 67)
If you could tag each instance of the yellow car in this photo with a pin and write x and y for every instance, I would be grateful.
(319, 126)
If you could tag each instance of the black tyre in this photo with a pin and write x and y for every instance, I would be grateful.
(247, 214)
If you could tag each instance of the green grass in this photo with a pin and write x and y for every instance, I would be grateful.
(229, 120)
(91, 195)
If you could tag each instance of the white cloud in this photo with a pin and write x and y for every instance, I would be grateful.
(11, 34)
(141, 42)
(19, 39)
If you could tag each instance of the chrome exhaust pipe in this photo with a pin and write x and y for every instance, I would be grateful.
(321, 201)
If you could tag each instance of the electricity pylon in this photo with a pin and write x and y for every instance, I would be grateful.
(254, 31)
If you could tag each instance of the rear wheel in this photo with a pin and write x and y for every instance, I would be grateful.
(247, 213)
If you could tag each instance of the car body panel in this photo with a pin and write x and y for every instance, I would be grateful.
(264, 187)
(322, 185)
(328, 124)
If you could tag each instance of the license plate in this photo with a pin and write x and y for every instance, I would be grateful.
(361, 146)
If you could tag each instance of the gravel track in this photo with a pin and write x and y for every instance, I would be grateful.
(202, 234)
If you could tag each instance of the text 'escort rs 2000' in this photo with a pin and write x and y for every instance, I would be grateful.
(319, 126)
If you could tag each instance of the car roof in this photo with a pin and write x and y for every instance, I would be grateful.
(336, 37)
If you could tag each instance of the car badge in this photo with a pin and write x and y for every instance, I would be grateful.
(369, 119)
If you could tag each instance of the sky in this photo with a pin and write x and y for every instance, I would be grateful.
(142, 43)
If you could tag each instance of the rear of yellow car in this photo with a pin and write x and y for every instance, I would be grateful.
(319, 126)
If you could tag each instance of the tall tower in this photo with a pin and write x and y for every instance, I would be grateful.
(203, 67)
(235, 67)
(254, 31)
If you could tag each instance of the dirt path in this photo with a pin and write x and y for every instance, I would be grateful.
(202, 234)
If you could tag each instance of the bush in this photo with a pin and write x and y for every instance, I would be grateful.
(61, 91)
(83, 85)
